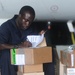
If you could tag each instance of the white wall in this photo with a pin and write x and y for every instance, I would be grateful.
(2, 20)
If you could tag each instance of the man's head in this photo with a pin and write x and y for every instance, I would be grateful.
(26, 17)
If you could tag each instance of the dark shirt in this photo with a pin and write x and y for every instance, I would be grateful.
(10, 34)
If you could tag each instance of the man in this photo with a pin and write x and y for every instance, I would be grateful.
(13, 34)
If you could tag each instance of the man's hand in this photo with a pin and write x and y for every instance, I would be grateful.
(42, 32)
(25, 44)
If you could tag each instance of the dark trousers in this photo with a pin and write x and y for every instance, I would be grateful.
(6, 67)
(48, 69)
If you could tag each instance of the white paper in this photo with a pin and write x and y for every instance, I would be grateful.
(35, 39)
(20, 59)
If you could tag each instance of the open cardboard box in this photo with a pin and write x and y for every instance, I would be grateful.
(26, 56)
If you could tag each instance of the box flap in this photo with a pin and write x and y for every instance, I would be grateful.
(43, 43)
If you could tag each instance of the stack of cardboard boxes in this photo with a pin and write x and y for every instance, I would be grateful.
(68, 61)
(30, 60)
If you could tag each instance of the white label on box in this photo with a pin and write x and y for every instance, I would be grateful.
(71, 74)
(71, 70)
(20, 59)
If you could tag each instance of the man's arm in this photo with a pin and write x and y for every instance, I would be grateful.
(6, 46)
(22, 45)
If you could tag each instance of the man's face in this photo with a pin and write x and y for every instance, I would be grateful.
(25, 20)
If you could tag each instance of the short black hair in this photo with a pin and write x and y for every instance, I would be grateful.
(27, 8)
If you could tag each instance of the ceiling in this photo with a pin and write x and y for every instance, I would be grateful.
(53, 10)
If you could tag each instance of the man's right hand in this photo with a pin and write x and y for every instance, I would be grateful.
(25, 44)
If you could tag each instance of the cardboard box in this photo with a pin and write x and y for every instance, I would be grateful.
(69, 71)
(64, 70)
(68, 58)
(43, 43)
(30, 68)
(63, 57)
(61, 69)
(37, 73)
(25, 56)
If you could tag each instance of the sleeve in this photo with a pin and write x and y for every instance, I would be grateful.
(4, 34)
